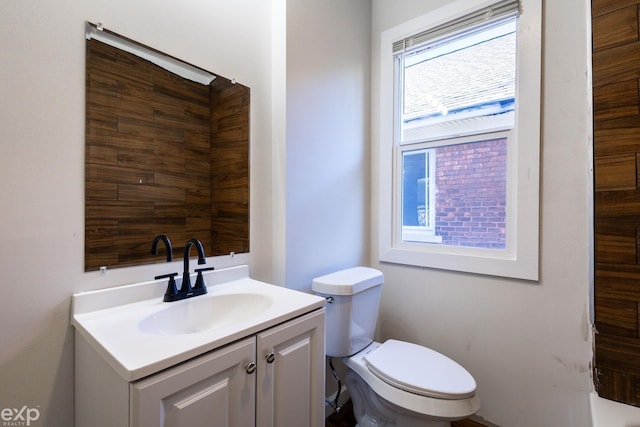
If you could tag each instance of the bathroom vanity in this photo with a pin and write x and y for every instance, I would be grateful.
(247, 353)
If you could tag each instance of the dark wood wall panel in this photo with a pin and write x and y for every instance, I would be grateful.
(617, 317)
(230, 167)
(600, 8)
(619, 27)
(616, 385)
(616, 100)
(616, 173)
(616, 73)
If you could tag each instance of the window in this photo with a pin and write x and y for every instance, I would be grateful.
(459, 148)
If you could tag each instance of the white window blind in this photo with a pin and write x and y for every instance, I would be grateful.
(487, 14)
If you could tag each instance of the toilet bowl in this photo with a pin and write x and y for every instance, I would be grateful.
(403, 384)
(394, 383)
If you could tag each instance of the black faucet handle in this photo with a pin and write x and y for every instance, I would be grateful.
(171, 294)
(200, 286)
(166, 276)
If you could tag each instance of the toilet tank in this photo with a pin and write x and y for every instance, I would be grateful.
(352, 308)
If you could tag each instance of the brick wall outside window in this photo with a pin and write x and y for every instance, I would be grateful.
(471, 198)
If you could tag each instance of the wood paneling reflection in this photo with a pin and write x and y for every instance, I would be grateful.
(230, 168)
(162, 153)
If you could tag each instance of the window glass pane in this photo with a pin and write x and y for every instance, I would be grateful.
(418, 196)
(467, 200)
(472, 194)
(413, 189)
(461, 85)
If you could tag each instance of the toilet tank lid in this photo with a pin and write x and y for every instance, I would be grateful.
(348, 282)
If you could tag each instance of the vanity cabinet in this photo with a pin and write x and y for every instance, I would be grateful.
(290, 383)
(216, 389)
(274, 378)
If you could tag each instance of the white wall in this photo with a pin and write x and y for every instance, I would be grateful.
(327, 137)
(527, 344)
(42, 166)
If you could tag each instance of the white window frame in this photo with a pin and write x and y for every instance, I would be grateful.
(520, 257)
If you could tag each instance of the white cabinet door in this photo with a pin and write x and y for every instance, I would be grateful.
(213, 390)
(290, 383)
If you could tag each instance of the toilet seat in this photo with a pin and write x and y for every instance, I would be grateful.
(446, 409)
(420, 370)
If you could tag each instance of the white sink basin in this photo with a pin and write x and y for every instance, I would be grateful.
(138, 334)
(196, 315)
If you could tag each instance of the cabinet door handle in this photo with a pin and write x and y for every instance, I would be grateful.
(271, 357)
(251, 368)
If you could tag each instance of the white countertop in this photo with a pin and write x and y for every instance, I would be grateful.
(110, 320)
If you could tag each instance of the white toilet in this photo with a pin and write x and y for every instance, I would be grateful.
(395, 383)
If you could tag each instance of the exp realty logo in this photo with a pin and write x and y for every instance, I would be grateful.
(19, 416)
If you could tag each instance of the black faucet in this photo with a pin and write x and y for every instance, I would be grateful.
(172, 292)
(186, 280)
(167, 244)
(186, 291)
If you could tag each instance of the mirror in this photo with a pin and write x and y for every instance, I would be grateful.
(164, 154)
